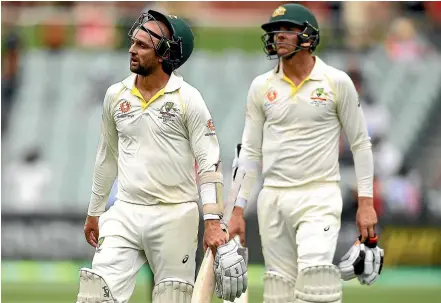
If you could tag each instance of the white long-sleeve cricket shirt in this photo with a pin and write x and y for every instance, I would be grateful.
(294, 130)
(151, 146)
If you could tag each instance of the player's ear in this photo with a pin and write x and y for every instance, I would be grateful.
(306, 44)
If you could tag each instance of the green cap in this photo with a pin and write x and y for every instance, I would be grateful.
(180, 30)
(291, 13)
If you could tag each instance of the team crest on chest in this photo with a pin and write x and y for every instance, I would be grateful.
(319, 97)
(168, 112)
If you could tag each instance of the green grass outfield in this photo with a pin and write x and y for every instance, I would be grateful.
(62, 293)
(403, 285)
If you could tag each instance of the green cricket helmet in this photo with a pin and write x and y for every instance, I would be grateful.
(291, 15)
(175, 51)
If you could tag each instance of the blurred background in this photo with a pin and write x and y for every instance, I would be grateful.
(58, 58)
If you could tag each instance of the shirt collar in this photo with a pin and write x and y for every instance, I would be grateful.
(317, 72)
(173, 84)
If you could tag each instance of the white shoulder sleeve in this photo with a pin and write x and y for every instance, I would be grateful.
(353, 122)
(106, 163)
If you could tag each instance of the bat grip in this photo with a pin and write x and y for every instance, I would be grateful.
(370, 242)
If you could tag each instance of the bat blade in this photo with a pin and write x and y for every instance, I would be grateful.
(204, 287)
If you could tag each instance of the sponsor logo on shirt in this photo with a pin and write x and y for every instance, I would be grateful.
(125, 108)
(271, 97)
(211, 128)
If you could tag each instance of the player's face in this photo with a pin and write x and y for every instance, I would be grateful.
(143, 58)
(286, 41)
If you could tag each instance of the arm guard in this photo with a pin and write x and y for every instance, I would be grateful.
(215, 209)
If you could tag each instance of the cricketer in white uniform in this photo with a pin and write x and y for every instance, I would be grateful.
(294, 117)
(151, 134)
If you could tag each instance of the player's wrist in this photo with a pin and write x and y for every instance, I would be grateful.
(238, 211)
(365, 202)
(240, 203)
(211, 223)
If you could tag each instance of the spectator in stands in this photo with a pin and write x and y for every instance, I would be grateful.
(434, 195)
(377, 116)
(402, 193)
(29, 181)
(402, 42)
(94, 25)
(10, 70)
(364, 22)
(433, 12)
(387, 158)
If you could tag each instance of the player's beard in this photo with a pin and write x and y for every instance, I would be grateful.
(142, 70)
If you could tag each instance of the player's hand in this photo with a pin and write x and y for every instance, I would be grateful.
(363, 261)
(236, 226)
(214, 236)
(373, 262)
(230, 272)
(366, 218)
(91, 231)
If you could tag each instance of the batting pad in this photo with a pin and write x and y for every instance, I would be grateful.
(277, 289)
(319, 284)
(172, 291)
(93, 288)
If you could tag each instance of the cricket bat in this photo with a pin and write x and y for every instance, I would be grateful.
(205, 282)
(204, 287)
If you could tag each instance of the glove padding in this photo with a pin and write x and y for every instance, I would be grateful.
(364, 261)
(373, 266)
(230, 272)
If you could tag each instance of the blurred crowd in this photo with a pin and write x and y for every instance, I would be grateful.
(397, 187)
(406, 30)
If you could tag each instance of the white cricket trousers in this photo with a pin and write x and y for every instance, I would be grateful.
(164, 235)
(299, 226)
